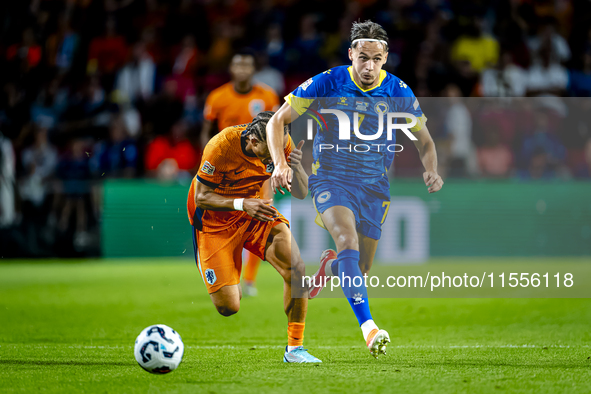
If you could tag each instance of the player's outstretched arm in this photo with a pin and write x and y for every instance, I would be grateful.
(428, 155)
(207, 199)
(281, 177)
(299, 185)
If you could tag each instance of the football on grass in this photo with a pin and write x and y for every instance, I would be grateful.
(159, 349)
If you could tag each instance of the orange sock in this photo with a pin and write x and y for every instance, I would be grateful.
(252, 268)
(295, 334)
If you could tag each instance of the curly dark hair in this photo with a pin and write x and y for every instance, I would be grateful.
(258, 127)
(368, 29)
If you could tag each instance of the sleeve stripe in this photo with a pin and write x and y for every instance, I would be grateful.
(299, 104)
(207, 183)
(421, 122)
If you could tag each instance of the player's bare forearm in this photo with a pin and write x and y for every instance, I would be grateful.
(275, 128)
(207, 199)
(428, 156)
(281, 177)
(299, 185)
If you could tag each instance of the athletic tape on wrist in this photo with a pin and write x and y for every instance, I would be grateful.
(239, 204)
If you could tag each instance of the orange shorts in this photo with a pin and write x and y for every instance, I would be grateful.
(219, 254)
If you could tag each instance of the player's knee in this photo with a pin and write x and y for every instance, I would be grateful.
(228, 309)
(347, 241)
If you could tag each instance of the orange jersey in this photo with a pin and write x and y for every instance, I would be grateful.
(230, 108)
(226, 167)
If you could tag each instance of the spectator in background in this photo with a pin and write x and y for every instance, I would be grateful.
(163, 110)
(304, 56)
(476, 48)
(39, 163)
(458, 124)
(557, 46)
(50, 104)
(186, 59)
(275, 47)
(62, 45)
(494, 159)
(172, 156)
(7, 179)
(546, 77)
(27, 53)
(542, 154)
(116, 157)
(87, 107)
(107, 53)
(74, 172)
(135, 81)
(238, 101)
(579, 81)
(505, 80)
(268, 75)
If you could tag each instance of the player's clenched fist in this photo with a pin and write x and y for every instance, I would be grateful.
(281, 178)
(433, 180)
(259, 209)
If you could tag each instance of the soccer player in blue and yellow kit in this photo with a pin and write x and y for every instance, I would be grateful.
(349, 184)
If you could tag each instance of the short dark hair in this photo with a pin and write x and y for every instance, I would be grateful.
(258, 127)
(245, 52)
(368, 29)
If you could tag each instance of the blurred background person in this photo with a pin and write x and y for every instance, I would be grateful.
(237, 101)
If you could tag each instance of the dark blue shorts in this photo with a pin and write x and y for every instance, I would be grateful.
(369, 202)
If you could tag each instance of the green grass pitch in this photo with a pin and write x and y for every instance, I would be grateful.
(70, 327)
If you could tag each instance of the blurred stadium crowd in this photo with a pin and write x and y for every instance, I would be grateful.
(96, 89)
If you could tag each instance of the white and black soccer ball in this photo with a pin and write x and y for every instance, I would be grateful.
(159, 349)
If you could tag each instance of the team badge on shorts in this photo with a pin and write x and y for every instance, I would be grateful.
(323, 197)
(208, 168)
(210, 276)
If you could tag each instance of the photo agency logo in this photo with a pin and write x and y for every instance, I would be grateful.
(367, 125)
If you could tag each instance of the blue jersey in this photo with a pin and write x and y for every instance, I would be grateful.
(355, 160)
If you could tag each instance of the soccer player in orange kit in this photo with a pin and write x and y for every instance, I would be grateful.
(227, 215)
(237, 102)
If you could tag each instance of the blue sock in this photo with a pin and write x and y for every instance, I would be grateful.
(347, 264)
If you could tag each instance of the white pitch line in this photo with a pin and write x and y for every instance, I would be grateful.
(246, 347)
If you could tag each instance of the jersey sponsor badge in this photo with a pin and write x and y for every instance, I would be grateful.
(361, 105)
(210, 276)
(208, 168)
(306, 84)
(323, 197)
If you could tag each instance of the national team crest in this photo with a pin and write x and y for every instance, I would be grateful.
(210, 276)
(208, 168)
(255, 107)
(323, 197)
(381, 107)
